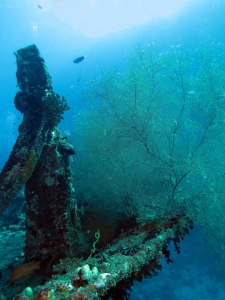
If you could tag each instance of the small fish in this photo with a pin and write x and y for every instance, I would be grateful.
(39, 6)
(79, 59)
(25, 270)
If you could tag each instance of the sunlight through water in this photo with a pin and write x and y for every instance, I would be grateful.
(95, 18)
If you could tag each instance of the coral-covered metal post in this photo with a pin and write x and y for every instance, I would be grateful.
(40, 160)
(34, 82)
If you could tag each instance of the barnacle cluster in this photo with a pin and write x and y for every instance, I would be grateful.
(53, 108)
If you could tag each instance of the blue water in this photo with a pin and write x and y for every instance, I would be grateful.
(198, 23)
(195, 24)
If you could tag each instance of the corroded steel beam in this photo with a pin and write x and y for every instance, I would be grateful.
(51, 205)
(33, 101)
(133, 256)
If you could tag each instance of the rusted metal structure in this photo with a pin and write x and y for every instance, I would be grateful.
(40, 161)
(133, 256)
